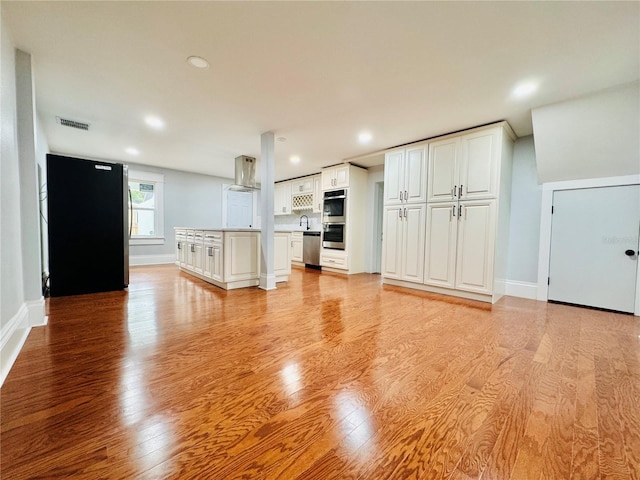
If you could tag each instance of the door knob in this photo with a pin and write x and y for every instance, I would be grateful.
(630, 253)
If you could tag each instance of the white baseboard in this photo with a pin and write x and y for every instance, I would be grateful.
(12, 338)
(515, 288)
(151, 259)
(36, 313)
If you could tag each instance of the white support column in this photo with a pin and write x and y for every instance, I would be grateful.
(267, 161)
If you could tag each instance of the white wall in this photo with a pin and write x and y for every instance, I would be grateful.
(376, 175)
(21, 302)
(524, 228)
(190, 200)
(11, 295)
(589, 137)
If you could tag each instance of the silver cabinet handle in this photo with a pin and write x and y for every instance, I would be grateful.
(193, 248)
(460, 190)
(400, 195)
(406, 195)
(179, 246)
(210, 251)
(453, 211)
(405, 213)
(460, 211)
(399, 213)
(455, 191)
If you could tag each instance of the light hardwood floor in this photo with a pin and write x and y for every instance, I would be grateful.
(325, 377)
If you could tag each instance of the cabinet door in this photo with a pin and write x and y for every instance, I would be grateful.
(342, 176)
(304, 185)
(241, 256)
(394, 177)
(443, 170)
(217, 263)
(479, 165)
(296, 251)
(281, 254)
(207, 264)
(415, 175)
(476, 238)
(282, 199)
(440, 250)
(317, 194)
(413, 243)
(198, 257)
(392, 242)
(328, 178)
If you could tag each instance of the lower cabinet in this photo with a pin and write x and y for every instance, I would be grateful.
(296, 247)
(331, 259)
(228, 258)
(403, 244)
(460, 245)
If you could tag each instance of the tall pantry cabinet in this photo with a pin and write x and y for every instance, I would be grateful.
(467, 214)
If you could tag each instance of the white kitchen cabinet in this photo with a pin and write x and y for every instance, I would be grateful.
(460, 245)
(302, 185)
(465, 167)
(282, 198)
(334, 259)
(467, 215)
(296, 247)
(193, 255)
(241, 256)
(440, 252)
(405, 176)
(317, 194)
(282, 256)
(181, 246)
(403, 243)
(335, 177)
(475, 246)
(213, 256)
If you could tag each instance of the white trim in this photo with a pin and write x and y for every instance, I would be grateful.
(267, 282)
(152, 259)
(515, 288)
(544, 254)
(36, 313)
(158, 180)
(13, 335)
(147, 241)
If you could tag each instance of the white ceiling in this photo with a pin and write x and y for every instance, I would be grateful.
(316, 73)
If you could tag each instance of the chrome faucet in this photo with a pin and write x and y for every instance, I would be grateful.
(307, 218)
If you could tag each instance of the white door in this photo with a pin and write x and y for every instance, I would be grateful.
(394, 177)
(443, 170)
(239, 209)
(413, 243)
(392, 242)
(476, 241)
(415, 175)
(594, 247)
(440, 252)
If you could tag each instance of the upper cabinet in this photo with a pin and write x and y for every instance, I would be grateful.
(282, 198)
(335, 177)
(405, 176)
(465, 167)
(317, 194)
(302, 185)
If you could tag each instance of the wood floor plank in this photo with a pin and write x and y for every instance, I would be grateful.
(327, 377)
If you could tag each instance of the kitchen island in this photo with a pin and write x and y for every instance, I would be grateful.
(229, 258)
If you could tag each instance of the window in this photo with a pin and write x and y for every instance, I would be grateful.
(146, 203)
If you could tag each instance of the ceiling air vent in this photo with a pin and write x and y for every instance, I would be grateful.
(65, 122)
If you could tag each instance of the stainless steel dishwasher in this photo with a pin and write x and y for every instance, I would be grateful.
(311, 249)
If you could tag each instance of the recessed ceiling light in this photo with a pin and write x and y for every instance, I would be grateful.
(364, 137)
(154, 122)
(281, 139)
(197, 62)
(132, 151)
(295, 159)
(524, 89)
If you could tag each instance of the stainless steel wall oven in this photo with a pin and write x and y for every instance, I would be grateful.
(334, 219)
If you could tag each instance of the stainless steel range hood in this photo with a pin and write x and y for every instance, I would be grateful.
(245, 174)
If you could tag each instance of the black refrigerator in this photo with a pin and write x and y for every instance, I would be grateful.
(88, 222)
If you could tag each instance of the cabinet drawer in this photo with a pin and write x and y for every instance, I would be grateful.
(334, 260)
